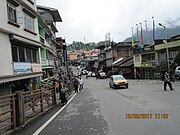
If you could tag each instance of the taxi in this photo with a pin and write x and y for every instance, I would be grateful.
(118, 81)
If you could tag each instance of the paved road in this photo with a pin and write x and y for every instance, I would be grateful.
(142, 109)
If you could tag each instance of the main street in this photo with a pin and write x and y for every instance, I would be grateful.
(142, 109)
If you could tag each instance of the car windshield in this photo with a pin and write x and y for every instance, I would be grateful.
(118, 78)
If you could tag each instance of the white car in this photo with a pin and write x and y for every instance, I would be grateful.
(177, 73)
(89, 73)
(93, 74)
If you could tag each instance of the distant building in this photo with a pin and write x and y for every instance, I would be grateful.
(72, 56)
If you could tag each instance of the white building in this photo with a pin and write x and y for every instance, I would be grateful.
(19, 46)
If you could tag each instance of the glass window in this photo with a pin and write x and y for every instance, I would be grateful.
(11, 10)
(14, 54)
(29, 22)
(34, 55)
(21, 54)
(28, 55)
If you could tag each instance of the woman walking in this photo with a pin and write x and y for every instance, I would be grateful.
(62, 93)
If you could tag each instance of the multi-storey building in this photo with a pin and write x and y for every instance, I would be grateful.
(155, 59)
(101, 56)
(123, 62)
(144, 62)
(47, 30)
(166, 52)
(19, 57)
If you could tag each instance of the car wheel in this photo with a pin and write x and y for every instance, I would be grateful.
(114, 86)
(126, 86)
(177, 77)
(110, 85)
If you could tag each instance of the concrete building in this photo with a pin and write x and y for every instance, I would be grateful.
(19, 57)
(49, 46)
(152, 61)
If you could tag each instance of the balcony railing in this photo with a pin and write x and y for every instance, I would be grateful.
(51, 62)
(148, 64)
(43, 61)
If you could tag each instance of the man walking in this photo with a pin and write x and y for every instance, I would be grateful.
(167, 81)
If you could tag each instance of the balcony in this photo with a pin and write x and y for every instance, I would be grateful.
(148, 64)
(51, 62)
(43, 61)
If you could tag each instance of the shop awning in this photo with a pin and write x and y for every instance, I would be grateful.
(9, 78)
(115, 62)
(127, 63)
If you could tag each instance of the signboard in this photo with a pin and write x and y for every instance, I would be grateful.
(36, 67)
(137, 60)
(22, 67)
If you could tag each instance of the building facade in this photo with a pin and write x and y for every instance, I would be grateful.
(48, 17)
(19, 49)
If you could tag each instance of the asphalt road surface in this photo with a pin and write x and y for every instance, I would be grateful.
(142, 109)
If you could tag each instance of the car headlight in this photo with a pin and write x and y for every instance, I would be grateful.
(116, 83)
(125, 82)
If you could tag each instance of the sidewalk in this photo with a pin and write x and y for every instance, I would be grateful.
(34, 125)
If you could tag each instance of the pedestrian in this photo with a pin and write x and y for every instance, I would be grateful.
(81, 84)
(138, 75)
(62, 93)
(97, 74)
(167, 81)
(56, 85)
(76, 84)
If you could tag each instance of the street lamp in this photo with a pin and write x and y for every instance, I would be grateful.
(167, 51)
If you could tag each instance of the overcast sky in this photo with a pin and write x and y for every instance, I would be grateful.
(92, 19)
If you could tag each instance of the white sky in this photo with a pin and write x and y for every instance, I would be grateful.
(92, 19)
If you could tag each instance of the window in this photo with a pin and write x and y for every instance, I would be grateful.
(29, 22)
(21, 54)
(12, 16)
(15, 53)
(24, 54)
(28, 55)
(34, 55)
(162, 56)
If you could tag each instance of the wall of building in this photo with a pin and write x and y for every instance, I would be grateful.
(5, 55)
(8, 28)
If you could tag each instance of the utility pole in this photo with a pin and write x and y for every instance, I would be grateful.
(167, 50)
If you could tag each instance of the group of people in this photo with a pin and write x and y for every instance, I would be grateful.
(61, 87)
(78, 83)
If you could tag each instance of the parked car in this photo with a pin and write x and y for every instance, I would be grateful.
(118, 81)
(93, 74)
(84, 72)
(89, 73)
(177, 73)
(102, 75)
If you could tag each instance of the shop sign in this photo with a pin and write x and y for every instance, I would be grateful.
(36, 67)
(22, 67)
